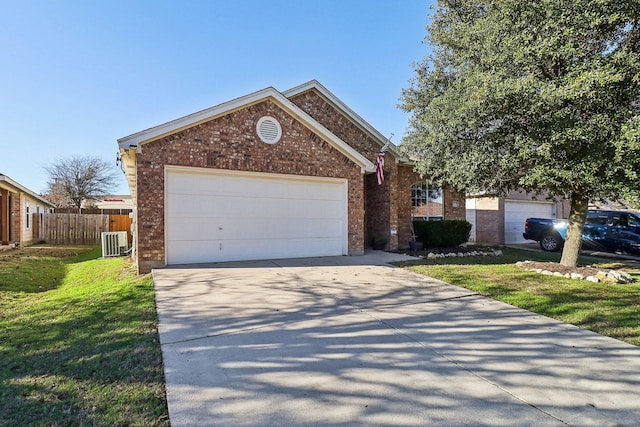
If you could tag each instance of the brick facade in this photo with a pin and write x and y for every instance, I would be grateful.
(229, 141)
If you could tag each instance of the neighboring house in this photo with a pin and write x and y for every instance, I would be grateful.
(111, 204)
(500, 220)
(17, 204)
(267, 175)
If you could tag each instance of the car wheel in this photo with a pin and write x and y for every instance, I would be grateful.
(550, 243)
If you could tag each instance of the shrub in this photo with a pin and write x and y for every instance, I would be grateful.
(442, 234)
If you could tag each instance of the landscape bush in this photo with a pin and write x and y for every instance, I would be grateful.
(442, 234)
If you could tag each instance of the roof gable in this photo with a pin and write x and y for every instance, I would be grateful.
(137, 140)
(336, 103)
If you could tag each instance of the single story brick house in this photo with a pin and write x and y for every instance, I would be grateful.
(17, 204)
(268, 175)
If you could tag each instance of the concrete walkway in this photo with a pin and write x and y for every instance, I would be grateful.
(352, 341)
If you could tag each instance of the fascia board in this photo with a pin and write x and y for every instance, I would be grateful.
(136, 140)
(355, 117)
(19, 187)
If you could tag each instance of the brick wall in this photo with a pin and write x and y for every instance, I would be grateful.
(490, 220)
(16, 217)
(230, 142)
(454, 204)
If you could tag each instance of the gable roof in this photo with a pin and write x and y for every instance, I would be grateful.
(4, 179)
(131, 145)
(349, 113)
(137, 140)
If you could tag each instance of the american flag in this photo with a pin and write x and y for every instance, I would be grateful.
(380, 167)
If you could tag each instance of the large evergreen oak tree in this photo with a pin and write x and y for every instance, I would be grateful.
(542, 96)
(78, 179)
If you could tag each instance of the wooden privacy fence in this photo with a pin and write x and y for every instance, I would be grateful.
(77, 229)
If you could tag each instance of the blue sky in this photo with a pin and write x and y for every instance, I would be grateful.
(77, 75)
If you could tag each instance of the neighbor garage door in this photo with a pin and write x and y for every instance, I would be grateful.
(515, 214)
(216, 216)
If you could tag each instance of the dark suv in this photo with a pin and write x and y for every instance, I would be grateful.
(612, 230)
(604, 230)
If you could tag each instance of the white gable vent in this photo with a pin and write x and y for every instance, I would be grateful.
(269, 130)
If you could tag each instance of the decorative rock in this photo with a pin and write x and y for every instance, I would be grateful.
(497, 252)
(620, 276)
(431, 255)
(460, 254)
(608, 276)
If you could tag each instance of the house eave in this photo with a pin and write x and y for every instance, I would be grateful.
(11, 183)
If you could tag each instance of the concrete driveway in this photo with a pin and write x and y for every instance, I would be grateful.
(352, 341)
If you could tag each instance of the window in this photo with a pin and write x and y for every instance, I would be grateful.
(27, 212)
(426, 201)
(597, 218)
(618, 220)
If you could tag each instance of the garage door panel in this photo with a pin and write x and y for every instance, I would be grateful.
(182, 205)
(188, 252)
(323, 208)
(194, 228)
(219, 217)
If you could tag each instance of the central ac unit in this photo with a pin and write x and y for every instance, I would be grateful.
(114, 243)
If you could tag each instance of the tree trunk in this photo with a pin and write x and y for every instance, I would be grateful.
(577, 218)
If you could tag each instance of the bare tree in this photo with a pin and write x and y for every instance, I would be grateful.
(77, 179)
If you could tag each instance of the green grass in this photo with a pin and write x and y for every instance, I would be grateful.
(611, 310)
(78, 341)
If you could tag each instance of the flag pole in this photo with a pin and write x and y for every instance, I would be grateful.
(386, 145)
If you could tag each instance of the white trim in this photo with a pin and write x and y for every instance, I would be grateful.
(232, 172)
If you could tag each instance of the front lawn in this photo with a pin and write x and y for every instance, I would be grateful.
(611, 310)
(78, 341)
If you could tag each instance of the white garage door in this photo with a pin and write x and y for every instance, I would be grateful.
(216, 216)
(515, 214)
